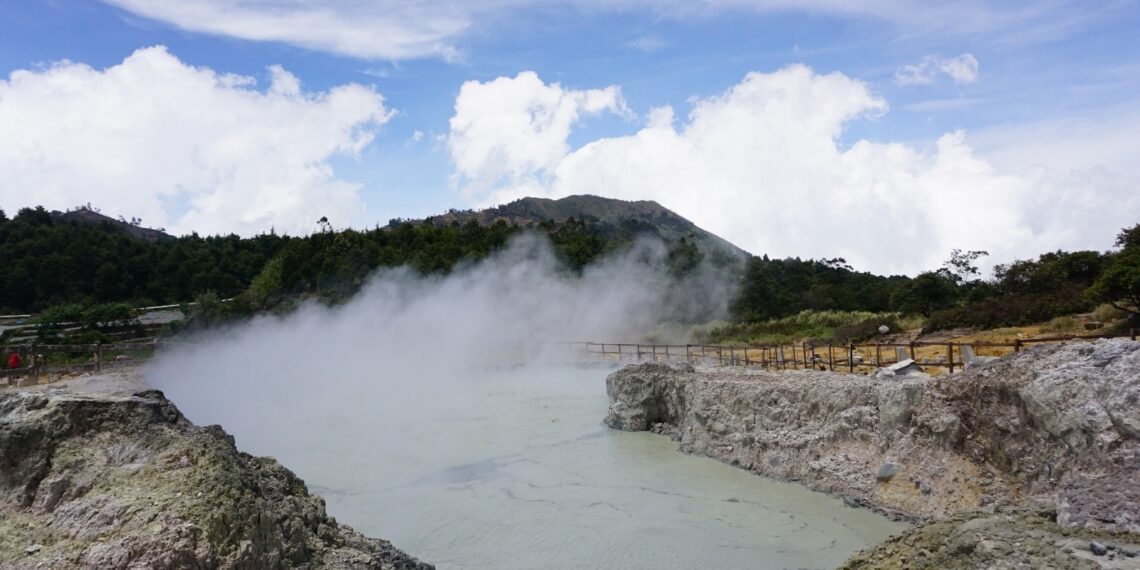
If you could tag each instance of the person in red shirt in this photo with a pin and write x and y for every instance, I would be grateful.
(14, 360)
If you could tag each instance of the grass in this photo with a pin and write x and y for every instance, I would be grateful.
(804, 325)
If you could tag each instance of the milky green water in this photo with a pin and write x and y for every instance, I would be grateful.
(517, 471)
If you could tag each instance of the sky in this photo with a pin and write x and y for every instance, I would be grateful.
(887, 132)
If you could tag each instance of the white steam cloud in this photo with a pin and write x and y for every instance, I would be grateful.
(405, 345)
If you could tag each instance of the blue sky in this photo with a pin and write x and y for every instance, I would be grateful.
(1067, 72)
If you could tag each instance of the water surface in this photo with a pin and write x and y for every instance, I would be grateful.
(515, 470)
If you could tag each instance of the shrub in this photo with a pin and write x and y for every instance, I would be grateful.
(1105, 313)
(1060, 325)
(1012, 310)
(865, 329)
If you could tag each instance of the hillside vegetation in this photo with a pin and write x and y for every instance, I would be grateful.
(80, 258)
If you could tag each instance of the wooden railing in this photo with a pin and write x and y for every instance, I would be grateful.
(41, 360)
(852, 357)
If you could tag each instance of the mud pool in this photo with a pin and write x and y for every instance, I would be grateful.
(515, 470)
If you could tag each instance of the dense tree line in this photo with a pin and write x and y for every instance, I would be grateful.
(1019, 293)
(775, 288)
(51, 263)
(46, 262)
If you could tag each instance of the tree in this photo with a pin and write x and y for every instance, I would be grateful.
(1129, 237)
(927, 293)
(1119, 282)
(962, 264)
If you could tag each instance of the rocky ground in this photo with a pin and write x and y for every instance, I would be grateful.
(1053, 430)
(104, 473)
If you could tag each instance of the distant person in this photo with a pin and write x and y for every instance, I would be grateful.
(13, 361)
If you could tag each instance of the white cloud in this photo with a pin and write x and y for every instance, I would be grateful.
(394, 30)
(761, 164)
(417, 136)
(960, 69)
(646, 44)
(508, 130)
(370, 30)
(935, 105)
(182, 147)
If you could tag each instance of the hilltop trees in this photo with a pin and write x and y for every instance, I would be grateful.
(1119, 283)
(48, 262)
(779, 287)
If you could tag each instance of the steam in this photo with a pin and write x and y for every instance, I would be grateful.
(407, 349)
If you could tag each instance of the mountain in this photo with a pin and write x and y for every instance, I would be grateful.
(90, 216)
(605, 216)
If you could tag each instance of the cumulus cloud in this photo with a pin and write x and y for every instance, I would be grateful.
(960, 69)
(762, 164)
(511, 130)
(182, 147)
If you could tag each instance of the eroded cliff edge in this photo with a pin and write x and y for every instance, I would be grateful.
(1052, 433)
(120, 479)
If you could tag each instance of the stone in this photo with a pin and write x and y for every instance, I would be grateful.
(1055, 422)
(63, 483)
(887, 471)
(1098, 548)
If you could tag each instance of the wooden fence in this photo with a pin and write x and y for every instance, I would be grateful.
(850, 357)
(41, 360)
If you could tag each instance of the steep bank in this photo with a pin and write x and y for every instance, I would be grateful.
(110, 475)
(1055, 428)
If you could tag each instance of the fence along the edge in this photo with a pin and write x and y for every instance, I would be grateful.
(951, 355)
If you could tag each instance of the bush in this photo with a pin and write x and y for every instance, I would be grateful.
(865, 329)
(1012, 310)
(1105, 313)
(805, 324)
(1060, 325)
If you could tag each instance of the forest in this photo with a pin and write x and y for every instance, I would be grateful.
(49, 263)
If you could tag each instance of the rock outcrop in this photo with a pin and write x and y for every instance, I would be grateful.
(1051, 429)
(123, 480)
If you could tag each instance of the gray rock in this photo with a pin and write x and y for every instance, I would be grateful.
(887, 471)
(1098, 548)
(194, 501)
(1057, 423)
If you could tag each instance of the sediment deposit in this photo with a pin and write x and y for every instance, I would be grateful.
(113, 476)
(1054, 430)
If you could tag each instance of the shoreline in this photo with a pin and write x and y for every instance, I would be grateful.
(1046, 433)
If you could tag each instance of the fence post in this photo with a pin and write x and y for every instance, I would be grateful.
(912, 351)
(793, 357)
(720, 356)
(32, 358)
(99, 356)
(639, 353)
(1133, 331)
(667, 353)
(851, 359)
(950, 355)
(830, 359)
(688, 358)
(1017, 345)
